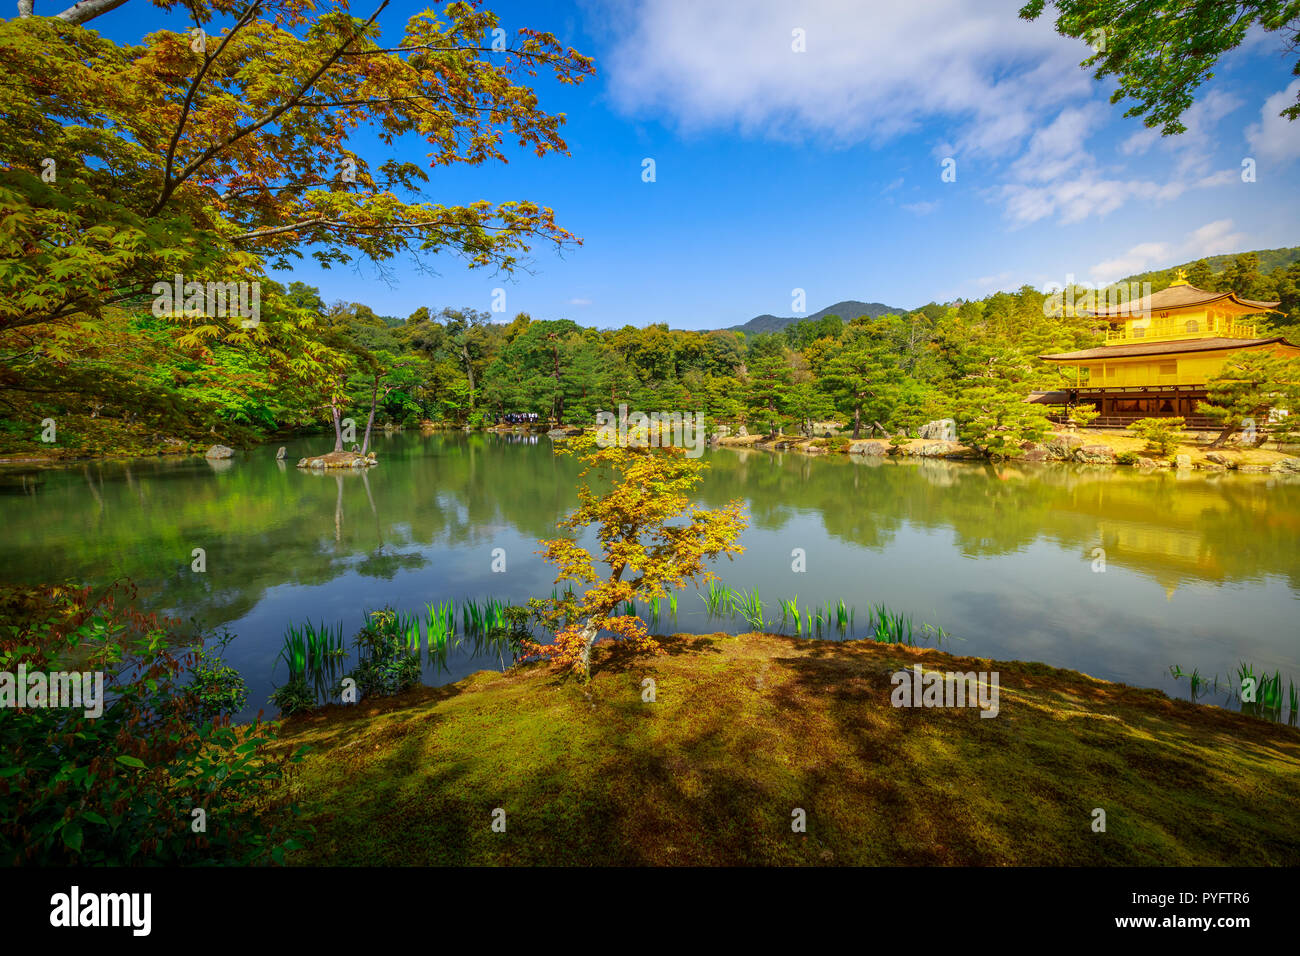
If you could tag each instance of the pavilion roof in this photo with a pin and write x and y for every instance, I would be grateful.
(1180, 296)
(1131, 349)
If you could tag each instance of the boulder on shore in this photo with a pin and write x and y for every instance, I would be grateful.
(1287, 466)
(219, 451)
(945, 429)
(869, 448)
(1062, 446)
(933, 449)
(1095, 454)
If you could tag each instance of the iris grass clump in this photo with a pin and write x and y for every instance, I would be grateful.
(389, 648)
(836, 617)
(1258, 695)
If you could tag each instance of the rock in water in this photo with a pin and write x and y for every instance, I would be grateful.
(219, 451)
(279, 455)
(339, 459)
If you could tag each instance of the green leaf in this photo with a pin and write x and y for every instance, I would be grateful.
(72, 836)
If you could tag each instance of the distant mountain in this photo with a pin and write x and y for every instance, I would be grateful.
(848, 311)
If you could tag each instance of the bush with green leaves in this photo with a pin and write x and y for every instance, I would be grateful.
(219, 689)
(294, 697)
(121, 788)
(1162, 435)
(514, 632)
(1083, 415)
(388, 664)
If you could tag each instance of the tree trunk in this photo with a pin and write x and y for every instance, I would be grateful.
(857, 422)
(1223, 436)
(589, 632)
(338, 427)
(469, 372)
(374, 397)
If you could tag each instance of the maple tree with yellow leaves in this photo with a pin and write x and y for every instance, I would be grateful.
(652, 538)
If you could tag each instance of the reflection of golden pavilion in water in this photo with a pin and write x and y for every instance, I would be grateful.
(1167, 555)
(1179, 541)
(1173, 342)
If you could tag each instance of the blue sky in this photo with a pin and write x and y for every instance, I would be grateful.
(820, 170)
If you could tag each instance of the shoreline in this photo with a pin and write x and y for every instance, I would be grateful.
(1081, 446)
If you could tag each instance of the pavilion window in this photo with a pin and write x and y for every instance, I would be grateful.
(1193, 325)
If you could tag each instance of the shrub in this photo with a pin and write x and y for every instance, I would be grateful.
(294, 697)
(219, 689)
(119, 788)
(387, 665)
(1127, 458)
(514, 632)
(1161, 435)
(1083, 415)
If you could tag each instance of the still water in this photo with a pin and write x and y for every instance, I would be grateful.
(1197, 570)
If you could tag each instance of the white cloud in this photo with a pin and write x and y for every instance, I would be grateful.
(577, 302)
(1194, 148)
(921, 208)
(1214, 239)
(1138, 259)
(994, 282)
(870, 70)
(1000, 88)
(1055, 151)
(1074, 200)
(1276, 139)
(1211, 239)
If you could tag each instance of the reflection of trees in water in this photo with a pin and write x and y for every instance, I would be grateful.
(1170, 526)
(264, 525)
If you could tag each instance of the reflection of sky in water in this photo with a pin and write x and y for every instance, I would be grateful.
(1200, 572)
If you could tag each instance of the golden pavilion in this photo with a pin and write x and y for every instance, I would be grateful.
(1163, 351)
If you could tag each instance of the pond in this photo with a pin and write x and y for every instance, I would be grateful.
(1113, 573)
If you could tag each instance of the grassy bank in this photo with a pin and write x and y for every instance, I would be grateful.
(746, 729)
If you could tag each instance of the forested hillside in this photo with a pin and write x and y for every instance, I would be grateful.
(848, 311)
(1239, 272)
(143, 381)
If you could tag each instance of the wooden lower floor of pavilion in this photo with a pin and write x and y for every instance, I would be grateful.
(1121, 406)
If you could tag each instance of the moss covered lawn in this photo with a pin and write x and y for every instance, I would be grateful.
(746, 729)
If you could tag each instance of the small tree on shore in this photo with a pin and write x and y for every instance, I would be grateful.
(997, 421)
(1247, 388)
(651, 537)
(1162, 435)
